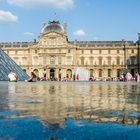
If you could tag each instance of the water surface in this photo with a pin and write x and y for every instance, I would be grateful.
(70, 111)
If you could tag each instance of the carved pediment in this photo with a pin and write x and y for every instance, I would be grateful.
(52, 38)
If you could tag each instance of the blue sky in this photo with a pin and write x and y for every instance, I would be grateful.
(101, 20)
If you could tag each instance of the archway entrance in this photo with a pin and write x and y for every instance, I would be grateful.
(118, 73)
(69, 74)
(133, 72)
(52, 74)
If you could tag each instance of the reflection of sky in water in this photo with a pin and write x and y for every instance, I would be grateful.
(30, 128)
(97, 110)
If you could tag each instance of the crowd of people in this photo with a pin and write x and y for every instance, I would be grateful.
(123, 77)
(128, 77)
(33, 78)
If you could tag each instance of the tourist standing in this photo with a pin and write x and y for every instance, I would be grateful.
(137, 77)
(77, 77)
(128, 76)
(33, 77)
(12, 77)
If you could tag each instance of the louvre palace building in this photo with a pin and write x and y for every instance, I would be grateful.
(54, 56)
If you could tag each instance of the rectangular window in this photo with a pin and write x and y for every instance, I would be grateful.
(109, 72)
(69, 60)
(118, 72)
(100, 60)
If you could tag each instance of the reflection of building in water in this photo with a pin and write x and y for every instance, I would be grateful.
(98, 102)
(55, 56)
(12, 87)
(3, 98)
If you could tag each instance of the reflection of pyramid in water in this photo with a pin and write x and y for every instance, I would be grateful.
(7, 65)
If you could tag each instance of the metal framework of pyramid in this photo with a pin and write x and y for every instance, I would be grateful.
(7, 65)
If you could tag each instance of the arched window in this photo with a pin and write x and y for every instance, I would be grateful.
(109, 60)
(133, 60)
(118, 60)
(52, 74)
(100, 60)
(69, 74)
(91, 60)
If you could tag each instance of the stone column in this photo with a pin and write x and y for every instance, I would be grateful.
(56, 73)
(48, 73)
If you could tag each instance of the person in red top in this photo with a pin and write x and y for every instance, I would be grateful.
(77, 77)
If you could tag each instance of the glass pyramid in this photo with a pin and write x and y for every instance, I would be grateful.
(7, 65)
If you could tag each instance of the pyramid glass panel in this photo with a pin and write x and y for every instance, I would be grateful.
(7, 65)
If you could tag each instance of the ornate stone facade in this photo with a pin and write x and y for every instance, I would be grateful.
(55, 56)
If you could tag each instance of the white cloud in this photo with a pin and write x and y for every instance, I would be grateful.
(29, 33)
(7, 17)
(79, 33)
(59, 4)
